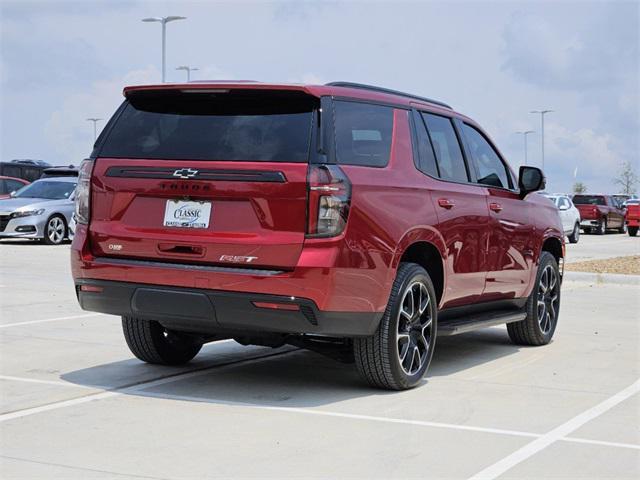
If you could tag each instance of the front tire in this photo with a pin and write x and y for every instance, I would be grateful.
(542, 308)
(55, 230)
(575, 235)
(152, 343)
(633, 231)
(398, 355)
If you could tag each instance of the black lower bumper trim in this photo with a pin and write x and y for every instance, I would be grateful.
(214, 311)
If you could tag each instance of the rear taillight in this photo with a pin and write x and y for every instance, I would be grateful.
(83, 192)
(329, 199)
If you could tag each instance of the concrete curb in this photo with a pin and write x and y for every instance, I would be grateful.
(600, 278)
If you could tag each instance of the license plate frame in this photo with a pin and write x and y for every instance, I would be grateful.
(187, 214)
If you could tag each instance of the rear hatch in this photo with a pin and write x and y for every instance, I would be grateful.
(214, 177)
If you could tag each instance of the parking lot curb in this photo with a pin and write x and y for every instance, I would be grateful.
(601, 278)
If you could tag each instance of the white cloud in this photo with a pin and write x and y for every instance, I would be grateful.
(68, 131)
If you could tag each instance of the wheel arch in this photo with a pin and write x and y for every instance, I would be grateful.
(555, 246)
(424, 247)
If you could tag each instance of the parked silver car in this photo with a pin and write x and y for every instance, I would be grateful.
(40, 210)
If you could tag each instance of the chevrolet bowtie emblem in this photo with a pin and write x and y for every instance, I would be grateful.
(185, 173)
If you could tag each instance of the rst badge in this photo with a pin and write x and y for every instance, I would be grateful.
(187, 214)
(237, 258)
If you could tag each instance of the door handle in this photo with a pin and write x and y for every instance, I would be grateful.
(496, 207)
(446, 203)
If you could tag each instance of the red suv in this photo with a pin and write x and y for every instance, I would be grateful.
(352, 220)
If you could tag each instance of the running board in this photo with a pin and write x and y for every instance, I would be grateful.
(459, 325)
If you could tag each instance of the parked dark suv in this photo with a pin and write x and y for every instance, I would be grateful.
(348, 219)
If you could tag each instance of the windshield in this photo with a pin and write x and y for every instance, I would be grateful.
(589, 200)
(49, 190)
(229, 125)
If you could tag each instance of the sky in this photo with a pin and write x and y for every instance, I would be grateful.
(64, 61)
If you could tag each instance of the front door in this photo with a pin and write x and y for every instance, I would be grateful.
(510, 243)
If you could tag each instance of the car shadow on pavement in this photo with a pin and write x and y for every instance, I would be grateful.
(286, 377)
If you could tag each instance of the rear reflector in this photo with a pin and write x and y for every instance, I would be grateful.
(277, 306)
(90, 288)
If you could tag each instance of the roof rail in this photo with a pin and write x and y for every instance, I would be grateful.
(373, 88)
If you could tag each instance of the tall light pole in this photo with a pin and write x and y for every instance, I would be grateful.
(187, 69)
(95, 132)
(542, 114)
(163, 21)
(524, 135)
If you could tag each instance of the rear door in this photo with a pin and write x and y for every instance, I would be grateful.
(510, 249)
(463, 217)
(210, 177)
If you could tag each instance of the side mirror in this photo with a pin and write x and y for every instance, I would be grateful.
(12, 194)
(530, 179)
(564, 207)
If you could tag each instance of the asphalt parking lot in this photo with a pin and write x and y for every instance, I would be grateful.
(75, 404)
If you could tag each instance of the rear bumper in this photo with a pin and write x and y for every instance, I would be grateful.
(633, 222)
(213, 311)
(589, 223)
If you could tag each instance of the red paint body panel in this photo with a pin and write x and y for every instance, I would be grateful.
(486, 254)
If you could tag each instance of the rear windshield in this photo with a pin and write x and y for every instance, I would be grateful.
(589, 200)
(273, 126)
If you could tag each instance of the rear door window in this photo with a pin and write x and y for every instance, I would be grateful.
(489, 167)
(446, 147)
(363, 133)
(242, 125)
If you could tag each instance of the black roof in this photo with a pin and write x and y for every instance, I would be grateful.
(373, 88)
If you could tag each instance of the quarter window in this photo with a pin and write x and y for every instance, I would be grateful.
(490, 169)
(426, 157)
(446, 147)
(363, 133)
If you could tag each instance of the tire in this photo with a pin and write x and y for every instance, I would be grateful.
(633, 231)
(388, 359)
(575, 235)
(55, 230)
(601, 229)
(152, 343)
(623, 228)
(538, 329)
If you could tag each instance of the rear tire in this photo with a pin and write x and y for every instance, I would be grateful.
(623, 228)
(398, 355)
(542, 308)
(152, 343)
(601, 229)
(575, 235)
(633, 231)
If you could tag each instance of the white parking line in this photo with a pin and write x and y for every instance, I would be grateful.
(558, 433)
(46, 382)
(140, 388)
(600, 442)
(44, 320)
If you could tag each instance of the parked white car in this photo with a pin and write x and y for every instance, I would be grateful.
(569, 215)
